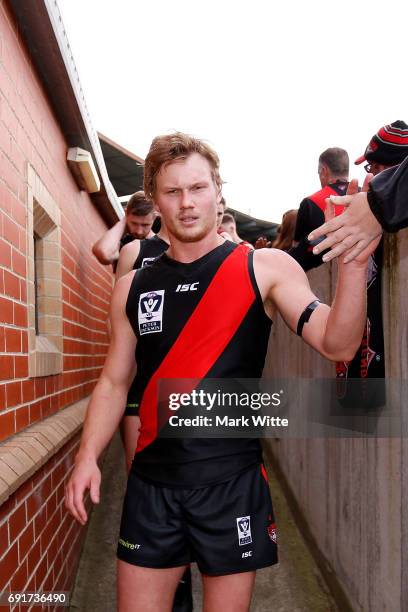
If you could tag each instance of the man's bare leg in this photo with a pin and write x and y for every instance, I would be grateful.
(146, 589)
(228, 593)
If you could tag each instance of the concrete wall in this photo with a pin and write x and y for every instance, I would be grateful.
(353, 492)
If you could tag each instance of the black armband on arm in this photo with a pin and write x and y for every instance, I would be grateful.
(305, 316)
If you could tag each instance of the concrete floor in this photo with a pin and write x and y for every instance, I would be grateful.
(295, 585)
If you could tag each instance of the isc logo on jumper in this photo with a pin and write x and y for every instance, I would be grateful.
(246, 554)
(150, 313)
(189, 287)
(244, 530)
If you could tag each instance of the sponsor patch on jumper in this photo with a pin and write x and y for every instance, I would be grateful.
(244, 530)
(272, 532)
(188, 287)
(150, 312)
(129, 545)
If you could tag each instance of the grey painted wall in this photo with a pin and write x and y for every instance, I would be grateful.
(353, 492)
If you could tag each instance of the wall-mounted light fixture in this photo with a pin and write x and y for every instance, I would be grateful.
(83, 169)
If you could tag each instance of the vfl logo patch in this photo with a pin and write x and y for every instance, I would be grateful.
(150, 313)
(244, 530)
(272, 532)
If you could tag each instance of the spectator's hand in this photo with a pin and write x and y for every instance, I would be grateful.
(354, 231)
(86, 475)
(262, 243)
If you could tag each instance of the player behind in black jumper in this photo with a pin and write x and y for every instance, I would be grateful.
(191, 499)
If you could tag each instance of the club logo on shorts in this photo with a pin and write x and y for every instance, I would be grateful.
(272, 532)
(244, 530)
(150, 314)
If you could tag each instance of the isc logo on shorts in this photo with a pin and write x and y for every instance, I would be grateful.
(246, 554)
(150, 312)
(244, 530)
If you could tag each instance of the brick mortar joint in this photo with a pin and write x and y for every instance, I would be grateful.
(17, 447)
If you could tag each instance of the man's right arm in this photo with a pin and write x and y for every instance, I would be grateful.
(106, 406)
(106, 249)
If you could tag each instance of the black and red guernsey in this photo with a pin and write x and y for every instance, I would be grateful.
(215, 327)
(149, 250)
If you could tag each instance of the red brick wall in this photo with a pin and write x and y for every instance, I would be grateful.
(29, 133)
(42, 541)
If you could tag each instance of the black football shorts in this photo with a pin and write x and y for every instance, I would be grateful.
(226, 528)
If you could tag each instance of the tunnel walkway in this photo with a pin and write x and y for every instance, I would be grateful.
(295, 585)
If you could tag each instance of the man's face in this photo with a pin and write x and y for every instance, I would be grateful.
(139, 225)
(187, 197)
(375, 167)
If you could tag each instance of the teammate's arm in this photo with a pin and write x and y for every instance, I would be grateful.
(334, 332)
(106, 249)
(106, 406)
(127, 257)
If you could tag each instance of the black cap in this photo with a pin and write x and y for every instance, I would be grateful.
(389, 146)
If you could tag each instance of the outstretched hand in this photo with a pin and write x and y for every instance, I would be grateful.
(355, 233)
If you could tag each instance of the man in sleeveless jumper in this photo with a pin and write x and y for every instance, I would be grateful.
(135, 225)
(333, 170)
(192, 499)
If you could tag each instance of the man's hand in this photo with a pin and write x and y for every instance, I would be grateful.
(86, 475)
(356, 232)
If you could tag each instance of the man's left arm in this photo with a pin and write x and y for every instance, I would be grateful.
(336, 331)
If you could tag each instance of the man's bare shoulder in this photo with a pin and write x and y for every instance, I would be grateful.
(131, 248)
(127, 257)
(121, 290)
(275, 258)
(274, 265)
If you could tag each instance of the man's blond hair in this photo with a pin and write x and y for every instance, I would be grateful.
(175, 147)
